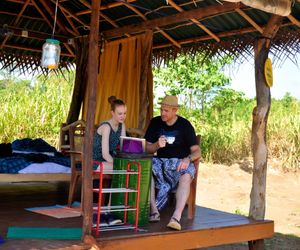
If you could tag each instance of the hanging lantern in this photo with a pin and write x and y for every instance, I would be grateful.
(50, 54)
(51, 48)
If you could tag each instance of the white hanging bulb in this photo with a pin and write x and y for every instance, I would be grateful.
(51, 49)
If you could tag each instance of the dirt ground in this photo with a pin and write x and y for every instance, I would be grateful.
(228, 188)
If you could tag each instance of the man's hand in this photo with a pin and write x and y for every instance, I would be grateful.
(184, 163)
(162, 141)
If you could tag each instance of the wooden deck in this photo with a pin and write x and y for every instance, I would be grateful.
(209, 228)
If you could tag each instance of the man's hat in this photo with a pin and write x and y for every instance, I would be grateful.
(170, 100)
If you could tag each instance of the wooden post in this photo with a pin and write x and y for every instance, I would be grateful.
(145, 101)
(259, 127)
(259, 145)
(88, 139)
(81, 48)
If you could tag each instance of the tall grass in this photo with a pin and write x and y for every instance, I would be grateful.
(37, 109)
(32, 109)
(284, 131)
(226, 132)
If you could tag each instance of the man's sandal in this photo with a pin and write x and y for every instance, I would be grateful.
(155, 217)
(174, 224)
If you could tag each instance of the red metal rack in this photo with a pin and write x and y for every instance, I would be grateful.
(126, 190)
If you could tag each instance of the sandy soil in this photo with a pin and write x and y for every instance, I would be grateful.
(228, 188)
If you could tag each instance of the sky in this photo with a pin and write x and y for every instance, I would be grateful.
(286, 78)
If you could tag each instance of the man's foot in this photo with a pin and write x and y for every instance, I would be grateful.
(174, 224)
(154, 217)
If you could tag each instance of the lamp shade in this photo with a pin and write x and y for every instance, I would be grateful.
(50, 54)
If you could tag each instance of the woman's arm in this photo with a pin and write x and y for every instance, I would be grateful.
(123, 132)
(105, 132)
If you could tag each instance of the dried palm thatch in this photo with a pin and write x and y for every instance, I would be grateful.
(212, 27)
(285, 45)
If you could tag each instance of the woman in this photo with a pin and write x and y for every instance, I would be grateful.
(107, 135)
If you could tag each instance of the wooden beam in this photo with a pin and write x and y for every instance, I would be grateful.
(4, 41)
(172, 40)
(64, 12)
(42, 14)
(68, 47)
(51, 12)
(17, 1)
(112, 22)
(294, 20)
(24, 16)
(74, 29)
(250, 20)
(90, 123)
(221, 34)
(21, 12)
(103, 7)
(190, 239)
(195, 21)
(176, 18)
(116, 4)
(36, 35)
(31, 49)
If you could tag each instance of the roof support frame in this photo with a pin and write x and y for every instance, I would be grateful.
(64, 12)
(250, 20)
(135, 10)
(21, 12)
(176, 18)
(294, 20)
(195, 21)
(51, 12)
(221, 35)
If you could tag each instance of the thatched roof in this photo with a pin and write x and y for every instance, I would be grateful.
(179, 26)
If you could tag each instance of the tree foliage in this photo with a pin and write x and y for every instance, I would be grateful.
(193, 77)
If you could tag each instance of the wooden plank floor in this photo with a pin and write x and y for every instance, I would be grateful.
(209, 228)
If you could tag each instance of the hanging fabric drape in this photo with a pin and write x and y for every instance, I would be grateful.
(120, 75)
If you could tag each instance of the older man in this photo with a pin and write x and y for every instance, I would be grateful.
(173, 139)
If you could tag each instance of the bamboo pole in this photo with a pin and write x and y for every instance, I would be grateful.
(88, 139)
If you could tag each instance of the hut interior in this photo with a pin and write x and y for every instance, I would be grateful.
(86, 29)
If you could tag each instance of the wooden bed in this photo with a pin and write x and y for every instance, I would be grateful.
(45, 177)
(34, 177)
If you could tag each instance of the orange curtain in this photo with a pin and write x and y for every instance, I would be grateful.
(119, 75)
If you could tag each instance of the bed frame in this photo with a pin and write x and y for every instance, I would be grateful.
(46, 177)
(34, 177)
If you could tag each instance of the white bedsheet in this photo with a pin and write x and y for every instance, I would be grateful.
(44, 168)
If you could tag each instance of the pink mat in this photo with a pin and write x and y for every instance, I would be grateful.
(57, 211)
